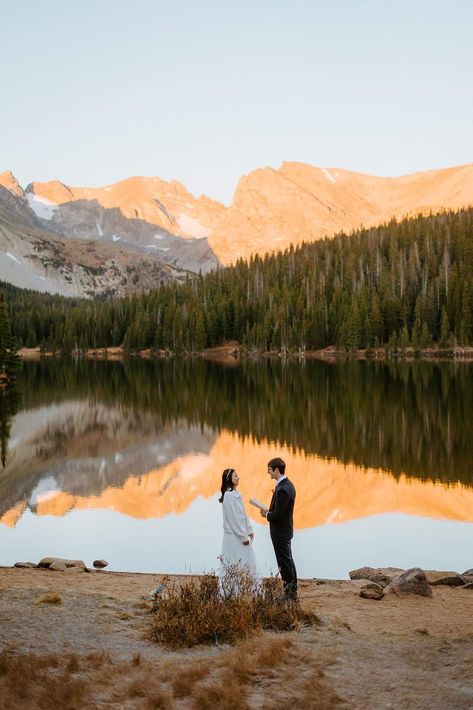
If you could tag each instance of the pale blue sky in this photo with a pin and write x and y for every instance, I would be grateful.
(205, 91)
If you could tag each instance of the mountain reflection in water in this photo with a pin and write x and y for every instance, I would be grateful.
(148, 438)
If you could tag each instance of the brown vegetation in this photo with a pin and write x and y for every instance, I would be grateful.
(366, 653)
(50, 598)
(210, 609)
(239, 678)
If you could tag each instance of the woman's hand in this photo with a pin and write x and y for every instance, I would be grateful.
(251, 536)
(247, 542)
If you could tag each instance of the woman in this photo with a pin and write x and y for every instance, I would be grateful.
(237, 546)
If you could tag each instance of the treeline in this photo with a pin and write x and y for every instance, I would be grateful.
(402, 284)
(9, 361)
(10, 366)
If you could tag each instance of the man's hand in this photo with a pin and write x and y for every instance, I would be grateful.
(251, 536)
(264, 513)
(247, 542)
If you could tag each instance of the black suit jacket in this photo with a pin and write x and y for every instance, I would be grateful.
(281, 511)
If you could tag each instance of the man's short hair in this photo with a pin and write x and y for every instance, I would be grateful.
(279, 464)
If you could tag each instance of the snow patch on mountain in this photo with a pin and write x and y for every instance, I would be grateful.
(22, 274)
(41, 206)
(191, 227)
(328, 175)
(13, 257)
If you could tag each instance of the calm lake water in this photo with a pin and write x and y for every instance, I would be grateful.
(123, 461)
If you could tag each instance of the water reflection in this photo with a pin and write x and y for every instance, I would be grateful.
(329, 491)
(148, 440)
(412, 418)
(9, 398)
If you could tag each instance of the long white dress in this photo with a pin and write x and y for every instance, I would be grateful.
(236, 530)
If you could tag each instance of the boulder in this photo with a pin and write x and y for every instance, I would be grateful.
(100, 564)
(450, 579)
(371, 593)
(412, 581)
(379, 575)
(373, 585)
(74, 570)
(47, 561)
(57, 567)
(468, 585)
(25, 565)
(468, 573)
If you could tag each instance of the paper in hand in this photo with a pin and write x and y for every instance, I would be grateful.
(258, 504)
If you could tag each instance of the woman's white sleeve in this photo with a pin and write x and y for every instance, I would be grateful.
(249, 526)
(236, 517)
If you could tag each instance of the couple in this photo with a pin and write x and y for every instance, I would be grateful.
(238, 533)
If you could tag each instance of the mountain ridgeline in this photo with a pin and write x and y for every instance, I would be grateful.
(406, 283)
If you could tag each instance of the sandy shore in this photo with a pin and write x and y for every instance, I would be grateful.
(401, 653)
(231, 354)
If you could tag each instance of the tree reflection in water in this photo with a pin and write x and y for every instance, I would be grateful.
(9, 399)
(410, 417)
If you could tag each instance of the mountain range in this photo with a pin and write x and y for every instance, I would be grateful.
(141, 232)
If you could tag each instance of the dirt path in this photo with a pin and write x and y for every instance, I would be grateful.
(395, 653)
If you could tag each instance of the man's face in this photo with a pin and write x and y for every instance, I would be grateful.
(273, 473)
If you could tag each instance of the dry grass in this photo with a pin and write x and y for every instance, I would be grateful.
(245, 676)
(209, 610)
(124, 615)
(28, 681)
(50, 598)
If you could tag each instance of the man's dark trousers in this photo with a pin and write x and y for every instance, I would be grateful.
(283, 552)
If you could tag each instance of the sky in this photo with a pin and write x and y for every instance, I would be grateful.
(204, 92)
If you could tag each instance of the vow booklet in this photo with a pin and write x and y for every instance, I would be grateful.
(258, 504)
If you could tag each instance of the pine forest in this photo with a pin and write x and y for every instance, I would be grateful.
(402, 284)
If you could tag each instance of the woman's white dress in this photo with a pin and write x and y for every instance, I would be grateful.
(236, 530)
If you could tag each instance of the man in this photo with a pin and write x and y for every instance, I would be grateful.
(281, 527)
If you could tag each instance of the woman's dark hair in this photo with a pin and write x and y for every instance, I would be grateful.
(227, 484)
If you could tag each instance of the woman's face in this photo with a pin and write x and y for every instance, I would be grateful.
(235, 478)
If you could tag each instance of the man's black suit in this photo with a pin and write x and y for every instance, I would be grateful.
(281, 529)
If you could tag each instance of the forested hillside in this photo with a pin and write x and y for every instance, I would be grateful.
(403, 283)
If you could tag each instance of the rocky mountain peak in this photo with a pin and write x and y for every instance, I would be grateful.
(54, 191)
(162, 222)
(10, 183)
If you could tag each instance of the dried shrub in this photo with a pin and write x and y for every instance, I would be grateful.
(124, 615)
(50, 598)
(187, 677)
(212, 609)
(72, 665)
(159, 700)
(62, 692)
(224, 694)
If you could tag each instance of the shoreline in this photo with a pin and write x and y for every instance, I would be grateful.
(232, 354)
(364, 653)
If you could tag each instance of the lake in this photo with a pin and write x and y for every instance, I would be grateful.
(123, 460)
